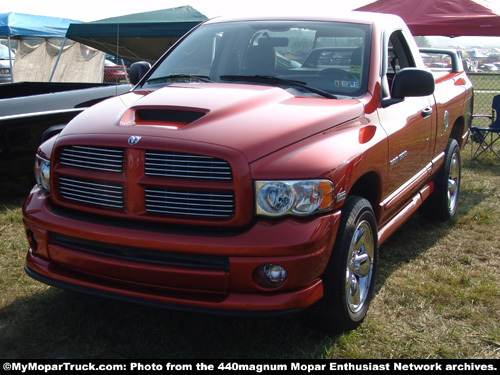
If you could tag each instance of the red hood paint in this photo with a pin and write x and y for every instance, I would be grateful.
(256, 120)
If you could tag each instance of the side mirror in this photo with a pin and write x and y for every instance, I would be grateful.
(412, 82)
(137, 71)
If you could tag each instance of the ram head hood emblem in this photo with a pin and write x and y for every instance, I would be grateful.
(133, 140)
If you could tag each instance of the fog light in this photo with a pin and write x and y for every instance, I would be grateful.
(32, 240)
(270, 275)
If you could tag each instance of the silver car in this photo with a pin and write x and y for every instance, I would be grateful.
(5, 73)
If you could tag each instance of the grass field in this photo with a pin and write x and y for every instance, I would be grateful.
(437, 296)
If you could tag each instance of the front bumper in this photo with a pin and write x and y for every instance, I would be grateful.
(178, 269)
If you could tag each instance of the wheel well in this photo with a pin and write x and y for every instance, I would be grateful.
(458, 131)
(367, 187)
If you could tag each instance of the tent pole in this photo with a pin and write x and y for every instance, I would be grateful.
(10, 60)
(125, 70)
(57, 60)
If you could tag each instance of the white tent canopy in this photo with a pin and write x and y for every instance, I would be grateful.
(48, 62)
(45, 60)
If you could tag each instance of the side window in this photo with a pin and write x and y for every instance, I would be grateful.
(394, 65)
(399, 54)
(398, 57)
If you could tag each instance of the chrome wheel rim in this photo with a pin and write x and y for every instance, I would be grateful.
(453, 182)
(359, 268)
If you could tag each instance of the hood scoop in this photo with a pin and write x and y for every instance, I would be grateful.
(171, 118)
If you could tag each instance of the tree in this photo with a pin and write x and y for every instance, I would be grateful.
(422, 41)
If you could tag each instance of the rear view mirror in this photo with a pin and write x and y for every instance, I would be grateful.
(274, 42)
(412, 82)
(137, 71)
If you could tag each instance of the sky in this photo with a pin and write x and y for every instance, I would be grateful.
(92, 10)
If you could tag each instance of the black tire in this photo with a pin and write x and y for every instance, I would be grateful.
(349, 278)
(442, 204)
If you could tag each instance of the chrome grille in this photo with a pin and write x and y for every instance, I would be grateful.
(181, 165)
(91, 192)
(173, 202)
(76, 183)
(91, 157)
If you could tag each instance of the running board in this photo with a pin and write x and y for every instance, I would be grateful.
(395, 223)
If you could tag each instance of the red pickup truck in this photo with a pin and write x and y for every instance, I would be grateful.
(254, 169)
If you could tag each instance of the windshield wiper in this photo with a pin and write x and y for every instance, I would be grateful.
(180, 78)
(278, 81)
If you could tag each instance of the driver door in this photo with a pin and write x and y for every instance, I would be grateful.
(408, 125)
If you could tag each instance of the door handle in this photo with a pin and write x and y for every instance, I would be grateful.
(426, 112)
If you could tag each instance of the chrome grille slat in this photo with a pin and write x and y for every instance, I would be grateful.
(189, 203)
(91, 192)
(92, 157)
(160, 199)
(181, 165)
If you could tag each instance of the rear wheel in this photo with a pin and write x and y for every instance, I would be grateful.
(442, 205)
(349, 277)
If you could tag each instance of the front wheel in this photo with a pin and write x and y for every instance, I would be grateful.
(349, 277)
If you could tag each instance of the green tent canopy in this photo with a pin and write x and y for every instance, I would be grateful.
(137, 37)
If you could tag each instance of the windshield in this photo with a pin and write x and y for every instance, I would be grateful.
(327, 57)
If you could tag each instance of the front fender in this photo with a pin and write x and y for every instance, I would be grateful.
(343, 155)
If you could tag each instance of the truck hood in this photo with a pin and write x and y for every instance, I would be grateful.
(254, 119)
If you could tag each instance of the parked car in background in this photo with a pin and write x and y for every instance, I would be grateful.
(5, 73)
(489, 68)
(31, 112)
(114, 73)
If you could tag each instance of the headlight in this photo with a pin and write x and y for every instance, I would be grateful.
(298, 197)
(42, 173)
